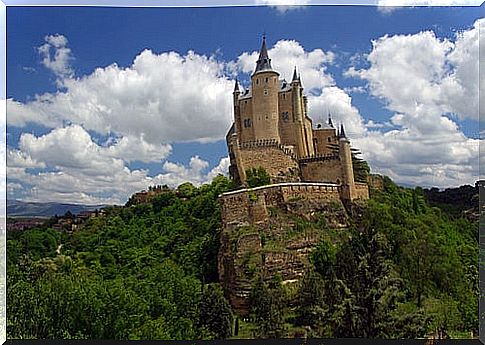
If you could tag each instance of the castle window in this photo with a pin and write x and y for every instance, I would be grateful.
(247, 123)
(285, 116)
(257, 81)
(329, 140)
(265, 92)
(266, 80)
(284, 96)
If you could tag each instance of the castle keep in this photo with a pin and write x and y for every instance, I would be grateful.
(272, 130)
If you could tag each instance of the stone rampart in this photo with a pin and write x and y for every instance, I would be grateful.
(283, 167)
(321, 168)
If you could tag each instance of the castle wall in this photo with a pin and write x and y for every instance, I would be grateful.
(322, 138)
(249, 206)
(361, 191)
(278, 164)
(286, 126)
(246, 114)
(321, 169)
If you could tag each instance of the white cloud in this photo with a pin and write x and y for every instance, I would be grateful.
(56, 56)
(422, 78)
(283, 6)
(89, 173)
(160, 97)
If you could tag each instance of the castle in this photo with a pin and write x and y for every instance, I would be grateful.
(311, 173)
(272, 130)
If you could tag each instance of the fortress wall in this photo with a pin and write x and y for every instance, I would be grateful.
(246, 113)
(321, 171)
(361, 191)
(279, 165)
(251, 205)
(322, 138)
(235, 208)
(286, 127)
(309, 192)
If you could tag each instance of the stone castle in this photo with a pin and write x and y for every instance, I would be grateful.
(272, 130)
(311, 174)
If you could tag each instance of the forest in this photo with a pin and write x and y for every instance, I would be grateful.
(149, 271)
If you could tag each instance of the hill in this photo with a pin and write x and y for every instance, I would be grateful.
(17, 208)
(398, 268)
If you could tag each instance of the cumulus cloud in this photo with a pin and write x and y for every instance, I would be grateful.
(82, 171)
(56, 56)
(165, 97)
(422, 79)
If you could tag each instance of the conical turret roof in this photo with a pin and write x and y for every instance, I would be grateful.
(264, 62)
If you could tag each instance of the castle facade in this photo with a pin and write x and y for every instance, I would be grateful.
(272, 130)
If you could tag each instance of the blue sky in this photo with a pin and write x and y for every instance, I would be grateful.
(398, 126)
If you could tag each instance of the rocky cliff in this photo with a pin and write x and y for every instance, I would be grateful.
(266, 234)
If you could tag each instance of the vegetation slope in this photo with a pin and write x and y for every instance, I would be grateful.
(149, 271)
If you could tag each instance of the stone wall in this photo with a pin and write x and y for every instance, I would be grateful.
(281, 166)
(361, 191)
(322, 138)
(321, 169)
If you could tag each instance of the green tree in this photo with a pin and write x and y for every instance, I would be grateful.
(267, 308)
(215, 312)
(256, 177)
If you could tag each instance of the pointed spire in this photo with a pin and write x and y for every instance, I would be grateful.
(330, 123)
(295, 76)
(342, 131)
(264, 62)
(236, 86)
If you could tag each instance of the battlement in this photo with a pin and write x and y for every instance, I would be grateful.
(260, 143)
(267, 143)
(319, 158)
(249, 205)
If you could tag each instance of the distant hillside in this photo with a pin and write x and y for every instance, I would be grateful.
(455, 201)
(17, 208)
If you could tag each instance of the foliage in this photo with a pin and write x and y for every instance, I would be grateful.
(267, 308)
(149, 271)
(256, 177)
(215, 313)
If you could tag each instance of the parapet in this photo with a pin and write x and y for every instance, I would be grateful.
(319, 158)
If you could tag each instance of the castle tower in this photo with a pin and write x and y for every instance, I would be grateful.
(298, 112)
(265, 86)
(345, 153)
(237, 113)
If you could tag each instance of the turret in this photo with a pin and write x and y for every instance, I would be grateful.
(330, 123)
(345, 153)
(237, 115)
(298, 112)
(265, 86)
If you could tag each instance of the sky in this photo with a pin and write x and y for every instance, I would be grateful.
(103, 102)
